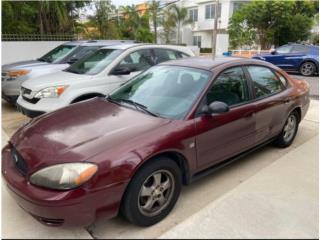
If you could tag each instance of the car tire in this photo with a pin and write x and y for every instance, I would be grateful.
(307, 69)
(152, 192)
(289, 131)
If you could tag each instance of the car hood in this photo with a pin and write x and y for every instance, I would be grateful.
(54, 79)
(80, 132)
(23, 64)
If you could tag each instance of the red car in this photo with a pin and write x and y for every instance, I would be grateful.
(131, 151)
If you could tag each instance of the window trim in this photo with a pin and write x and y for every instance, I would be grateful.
(255, 99)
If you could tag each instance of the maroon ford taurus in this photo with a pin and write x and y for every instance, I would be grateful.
(130, 153)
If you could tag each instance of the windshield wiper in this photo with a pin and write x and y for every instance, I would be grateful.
(135, 104)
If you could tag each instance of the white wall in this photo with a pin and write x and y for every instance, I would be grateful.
(18, 51)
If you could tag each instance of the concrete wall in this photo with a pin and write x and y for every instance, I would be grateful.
(18, 51)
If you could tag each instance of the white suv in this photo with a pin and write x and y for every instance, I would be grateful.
(95, 75)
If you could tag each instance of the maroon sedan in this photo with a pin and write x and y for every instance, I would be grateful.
(132, 151)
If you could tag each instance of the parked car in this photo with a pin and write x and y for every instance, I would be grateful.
(131, 151)
(95, 75)
(14, 74)
(294, 57)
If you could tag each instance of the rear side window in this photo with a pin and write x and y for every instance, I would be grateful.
(162, 55)
(300, 49)
(265, 82)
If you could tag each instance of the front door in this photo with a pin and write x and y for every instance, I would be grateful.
(220, 136)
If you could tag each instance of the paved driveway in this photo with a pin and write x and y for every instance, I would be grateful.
(17, 224)
(314, 84)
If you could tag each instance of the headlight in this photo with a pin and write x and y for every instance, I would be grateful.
(51, 92)
(18, 73)
(64, 176)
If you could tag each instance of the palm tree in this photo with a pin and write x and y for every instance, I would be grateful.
(154, 11)
(181, 17)
(168, 23)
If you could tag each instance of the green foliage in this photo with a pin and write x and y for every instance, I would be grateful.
(168, 23)
(134, 25)
(40, 16)
(154, 15)
(271, 22)
(180, 16)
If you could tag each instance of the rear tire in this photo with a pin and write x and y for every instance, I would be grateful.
(307, 69)
(152, 192)
(289, 131)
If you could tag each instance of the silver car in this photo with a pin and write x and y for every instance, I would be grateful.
(94, 75)
(14, 74)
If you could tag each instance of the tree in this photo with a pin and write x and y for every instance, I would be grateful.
(135, 25)
(154, 12)
(168, 23)
(45, 17)
(101, 24)
(272, 22)
(180, 16)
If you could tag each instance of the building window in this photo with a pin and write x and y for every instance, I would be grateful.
(210, 11)
(193, 15)
(197, 41)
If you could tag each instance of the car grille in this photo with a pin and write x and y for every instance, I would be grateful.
(32, 100)
(25, 91)
(19, 162)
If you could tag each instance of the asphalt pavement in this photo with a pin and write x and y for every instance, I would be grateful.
(314, 84)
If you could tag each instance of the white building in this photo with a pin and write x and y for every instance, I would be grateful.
(202, 13)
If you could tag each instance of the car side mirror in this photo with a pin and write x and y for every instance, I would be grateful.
(215, 107)
(121, 71)
(72, 61)
(273, 52)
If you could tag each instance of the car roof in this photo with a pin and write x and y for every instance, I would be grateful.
(150, 45)
(208, 63)
(98, 42)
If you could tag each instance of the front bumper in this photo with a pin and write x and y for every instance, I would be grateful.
(29, 113)
(80, 206)
(12, 99)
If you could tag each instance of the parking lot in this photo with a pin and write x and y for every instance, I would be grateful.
(314, 84)
(286, 206)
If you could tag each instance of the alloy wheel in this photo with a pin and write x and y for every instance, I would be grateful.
(156, 193)
(307, 69)
(290, 128)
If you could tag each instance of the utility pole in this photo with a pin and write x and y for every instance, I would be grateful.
(215, 29)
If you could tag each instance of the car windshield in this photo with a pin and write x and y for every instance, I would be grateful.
(57, 53)
(95, 62)
(165, 91)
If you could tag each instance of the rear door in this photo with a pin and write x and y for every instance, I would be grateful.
(220, 136)
(271, 102)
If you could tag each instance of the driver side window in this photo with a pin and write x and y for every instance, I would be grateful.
(137, 61)
(230, 87)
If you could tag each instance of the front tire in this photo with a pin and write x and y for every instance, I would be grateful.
(288, 132)
(307, 69)
(152, 192)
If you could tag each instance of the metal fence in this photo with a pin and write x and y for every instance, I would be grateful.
(39, 37)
